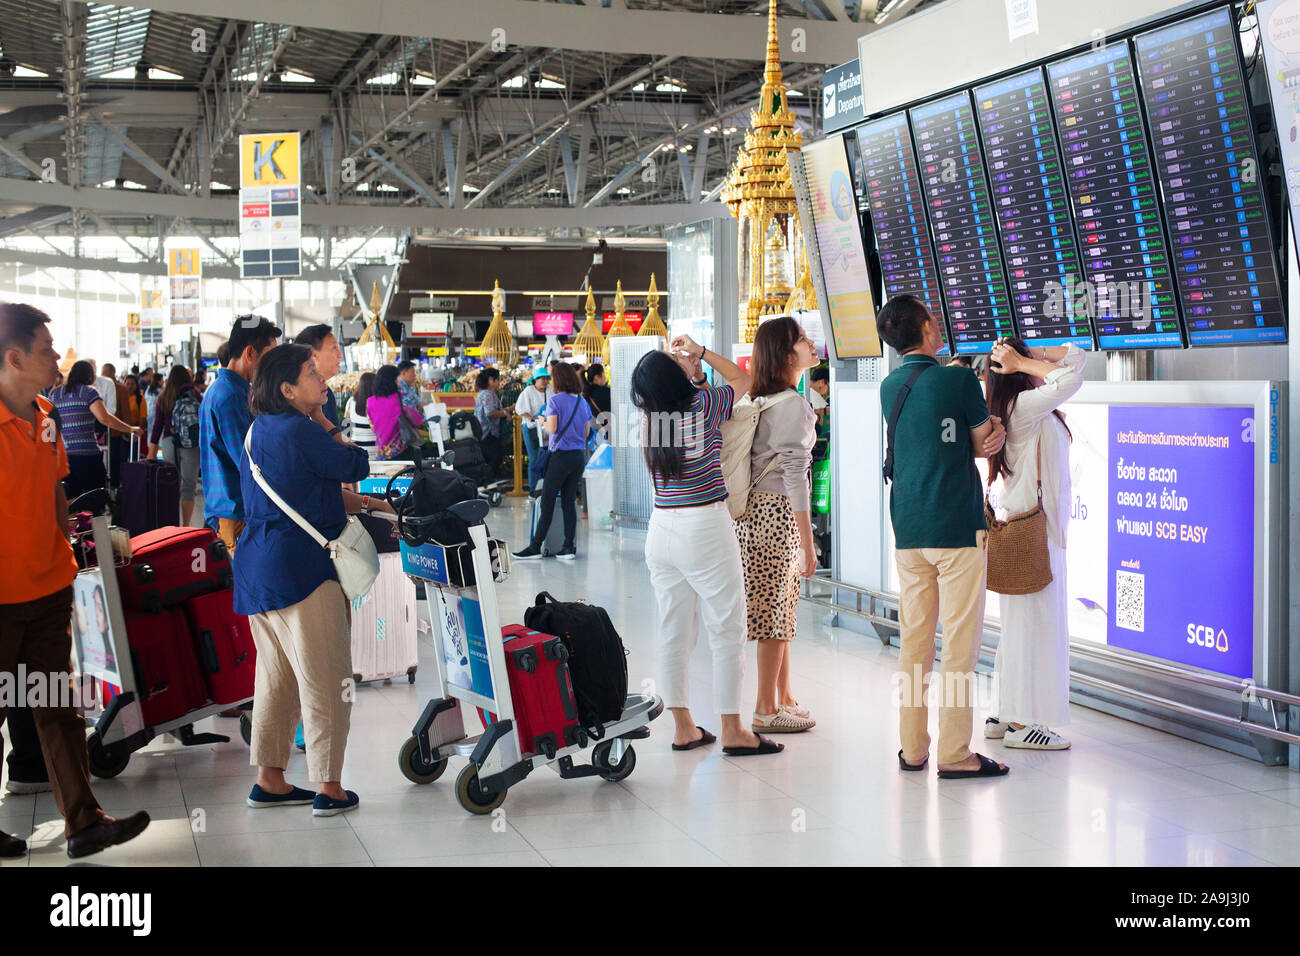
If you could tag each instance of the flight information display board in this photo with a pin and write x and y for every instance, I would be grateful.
(1032, 210)
(1126, 262)
(973, 280)
(892, 190)
(1209, 173)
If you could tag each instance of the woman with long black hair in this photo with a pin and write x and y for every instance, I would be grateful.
(691, 548)
(1025, 389)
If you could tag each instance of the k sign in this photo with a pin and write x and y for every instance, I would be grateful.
(842, 96)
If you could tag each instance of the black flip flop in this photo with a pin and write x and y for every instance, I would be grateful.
(988, 768)
(904, 765)
(705, 738)
(765, 746)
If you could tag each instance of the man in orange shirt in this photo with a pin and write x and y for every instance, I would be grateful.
(36, 572)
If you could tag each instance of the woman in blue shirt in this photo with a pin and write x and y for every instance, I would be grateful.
(285, 582)
(568, 419)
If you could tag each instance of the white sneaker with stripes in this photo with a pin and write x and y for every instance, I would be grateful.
(1035, 737)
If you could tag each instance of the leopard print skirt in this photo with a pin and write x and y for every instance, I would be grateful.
(771, 554)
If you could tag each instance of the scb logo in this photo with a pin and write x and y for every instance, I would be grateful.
(1204, 636)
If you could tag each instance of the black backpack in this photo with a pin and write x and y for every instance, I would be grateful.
(597, 660)
(422, 509)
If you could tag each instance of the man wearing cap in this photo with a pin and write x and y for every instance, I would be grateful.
(532, 400)
(224, 419)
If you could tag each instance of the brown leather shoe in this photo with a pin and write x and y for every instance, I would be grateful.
(11, 846)
(107, 832)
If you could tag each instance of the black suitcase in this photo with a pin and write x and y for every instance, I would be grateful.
(151, 495)
(468, 460)
(597, 659)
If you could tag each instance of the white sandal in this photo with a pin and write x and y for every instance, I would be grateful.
(782, 722)
(797, 709)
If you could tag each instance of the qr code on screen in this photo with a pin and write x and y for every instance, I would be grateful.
(1130, 600)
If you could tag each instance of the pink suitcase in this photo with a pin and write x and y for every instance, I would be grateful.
(384, 626)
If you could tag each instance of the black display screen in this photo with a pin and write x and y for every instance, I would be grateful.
(892, 191)
(1032, 210)
(972, 279)
(1209, 173)
(1126, 262)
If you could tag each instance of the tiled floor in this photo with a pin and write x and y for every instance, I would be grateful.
(1124, 795)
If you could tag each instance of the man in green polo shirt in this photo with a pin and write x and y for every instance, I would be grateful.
(937, 507)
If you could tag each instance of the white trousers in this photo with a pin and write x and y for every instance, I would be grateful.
(1033, 660)
(694, 562)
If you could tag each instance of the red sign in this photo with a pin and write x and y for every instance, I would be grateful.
(249, 210)
(633, 319)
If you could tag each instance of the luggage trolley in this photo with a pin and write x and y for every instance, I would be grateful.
(103, 654)
(471, 660)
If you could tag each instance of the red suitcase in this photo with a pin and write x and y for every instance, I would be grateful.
(224, 642)
(546, 713)
(167, 677)
(171, 565)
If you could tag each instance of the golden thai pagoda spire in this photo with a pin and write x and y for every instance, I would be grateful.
(620, 327)
(653, 324)
(589, 341)
(499, 346)
(376, 331)
(760, 194)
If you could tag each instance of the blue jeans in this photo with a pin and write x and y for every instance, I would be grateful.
(533, 446)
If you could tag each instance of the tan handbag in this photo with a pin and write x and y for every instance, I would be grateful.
(1018, 560)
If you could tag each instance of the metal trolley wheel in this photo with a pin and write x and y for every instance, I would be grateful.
(471, 797)
(613, 772)
(413, 768)
(495, 498)
(106, 762)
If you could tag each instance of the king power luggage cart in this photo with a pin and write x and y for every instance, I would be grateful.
(102, 655)
(470, 655)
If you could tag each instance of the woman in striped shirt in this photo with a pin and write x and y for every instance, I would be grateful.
(691, 548)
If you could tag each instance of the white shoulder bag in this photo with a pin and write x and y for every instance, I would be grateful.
(356, 561)
(738, 443)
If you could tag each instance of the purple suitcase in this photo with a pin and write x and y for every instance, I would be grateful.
(151, 494)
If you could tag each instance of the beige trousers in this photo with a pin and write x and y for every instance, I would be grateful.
(939, 584)
(304, 666)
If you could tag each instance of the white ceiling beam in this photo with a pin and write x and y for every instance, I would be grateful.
(586, 27)
(134, 202)
(510, 170)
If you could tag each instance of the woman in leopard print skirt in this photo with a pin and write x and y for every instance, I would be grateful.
(775, 532)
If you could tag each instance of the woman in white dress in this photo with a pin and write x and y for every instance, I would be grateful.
(1026, 388)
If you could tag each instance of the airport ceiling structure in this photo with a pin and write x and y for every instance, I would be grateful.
(424, 118)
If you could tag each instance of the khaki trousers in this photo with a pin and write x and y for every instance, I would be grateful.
(304, 667)
(939, 584)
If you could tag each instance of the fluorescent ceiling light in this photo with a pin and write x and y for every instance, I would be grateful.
(670, 86)
(220, 186)
(625, 191)
(467, 188)
(29, 72)
(383, 79)
(385, 188)
(794, 92)
(639, 88)
(516, 82)
(293, 76)
(421, 80)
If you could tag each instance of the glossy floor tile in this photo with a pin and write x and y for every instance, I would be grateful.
(1124, 795)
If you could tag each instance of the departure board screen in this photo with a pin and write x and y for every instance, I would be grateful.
(1126, 262)
(1210, 175)
(972, 279)
(892, 191)
(1032, 210)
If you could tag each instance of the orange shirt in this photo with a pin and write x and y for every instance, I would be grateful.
(35, 557)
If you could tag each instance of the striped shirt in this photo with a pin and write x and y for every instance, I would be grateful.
(77, 422)
(701, 437)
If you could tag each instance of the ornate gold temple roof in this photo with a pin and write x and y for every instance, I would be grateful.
(761, 171)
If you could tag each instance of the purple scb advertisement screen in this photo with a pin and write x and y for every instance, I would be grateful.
(1181, 539)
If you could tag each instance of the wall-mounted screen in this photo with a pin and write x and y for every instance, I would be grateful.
(431, 323)
(552, 323)
(892, 189)
(633, 319)
(1209, 173)
(1126, 261)
(973, 281)
(1032, 210)
(846, 281)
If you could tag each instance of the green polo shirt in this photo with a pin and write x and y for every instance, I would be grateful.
(935, 500)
